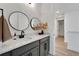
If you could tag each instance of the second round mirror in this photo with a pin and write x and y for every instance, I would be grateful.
(34, 21)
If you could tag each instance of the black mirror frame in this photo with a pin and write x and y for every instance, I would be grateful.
(18, 12)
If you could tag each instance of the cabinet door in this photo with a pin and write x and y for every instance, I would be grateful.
(44, 48)
(24, 49)
(32, 52)
(35, 51)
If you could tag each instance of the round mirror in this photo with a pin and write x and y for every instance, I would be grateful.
(34, 21)
(18, 20)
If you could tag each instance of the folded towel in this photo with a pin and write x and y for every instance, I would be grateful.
(6, 31)
(0, 29)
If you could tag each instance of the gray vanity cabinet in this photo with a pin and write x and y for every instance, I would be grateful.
(37, 48)
(33, 52)
(6, 54)
(26, 49)
(44, 47)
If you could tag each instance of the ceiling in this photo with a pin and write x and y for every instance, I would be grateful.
(65, 7)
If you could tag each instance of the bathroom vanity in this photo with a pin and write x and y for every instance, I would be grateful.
(22, 44)
(35, 45)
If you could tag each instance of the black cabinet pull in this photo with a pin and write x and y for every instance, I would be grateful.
(45, 46)
(30, 54)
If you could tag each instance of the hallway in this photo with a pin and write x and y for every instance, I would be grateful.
(61, 48)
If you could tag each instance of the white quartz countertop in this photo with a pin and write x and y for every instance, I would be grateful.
(13, 44)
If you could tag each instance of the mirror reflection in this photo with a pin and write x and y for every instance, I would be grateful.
(34, 23)
(18, 20)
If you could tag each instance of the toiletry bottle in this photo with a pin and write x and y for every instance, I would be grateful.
(14, 36)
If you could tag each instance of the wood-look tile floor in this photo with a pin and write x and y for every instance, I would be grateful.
(61, 48)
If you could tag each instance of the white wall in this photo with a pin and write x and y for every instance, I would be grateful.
(48, 15)
(72, 30)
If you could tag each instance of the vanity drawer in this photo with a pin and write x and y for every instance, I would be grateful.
(32, 45)
(44, 39)
(24, 49)
(32, 52)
